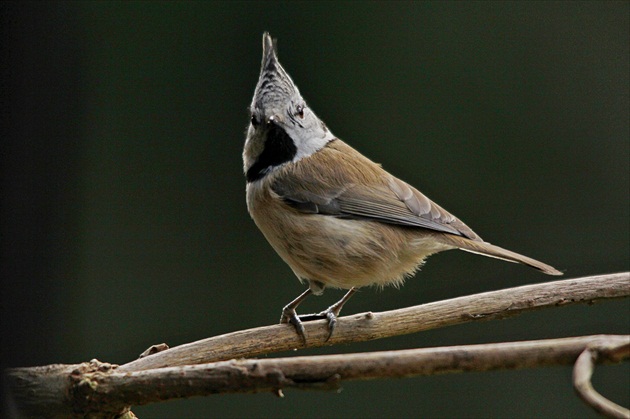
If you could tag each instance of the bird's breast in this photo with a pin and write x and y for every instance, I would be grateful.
(338, 252)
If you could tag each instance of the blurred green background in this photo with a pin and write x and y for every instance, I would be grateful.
(123, 205)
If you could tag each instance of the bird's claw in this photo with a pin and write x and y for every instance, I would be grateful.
(331, 315)
(289, 315)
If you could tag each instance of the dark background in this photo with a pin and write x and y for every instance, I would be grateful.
(123, 206)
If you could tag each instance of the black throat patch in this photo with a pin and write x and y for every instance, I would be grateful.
(279, 149)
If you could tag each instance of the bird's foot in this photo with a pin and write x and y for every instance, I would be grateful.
(289, 315)
(330, 314)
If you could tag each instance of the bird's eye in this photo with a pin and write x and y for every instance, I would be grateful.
(300, 111)
(255, 121)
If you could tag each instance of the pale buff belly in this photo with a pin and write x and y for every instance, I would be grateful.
(342, 253)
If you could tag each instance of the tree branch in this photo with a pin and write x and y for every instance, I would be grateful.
(369, 326)
(103, 390)
(328, 371)
(99, 390)
(583, 371)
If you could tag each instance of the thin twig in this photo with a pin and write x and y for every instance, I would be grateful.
(583, 371)
(368, 326)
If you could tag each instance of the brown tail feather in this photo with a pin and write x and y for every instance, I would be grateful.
(487, 249)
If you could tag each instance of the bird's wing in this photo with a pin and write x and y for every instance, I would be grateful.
(389, 201)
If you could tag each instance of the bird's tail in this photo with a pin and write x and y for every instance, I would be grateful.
(487, 249)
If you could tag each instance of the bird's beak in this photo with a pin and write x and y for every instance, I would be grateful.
(274, 119)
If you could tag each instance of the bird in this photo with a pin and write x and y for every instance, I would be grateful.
(338, 219)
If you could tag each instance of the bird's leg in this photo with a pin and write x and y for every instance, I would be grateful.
(289, 315)
(331, 313)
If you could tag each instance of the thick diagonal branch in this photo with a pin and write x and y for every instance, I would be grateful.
(368, 326)
(104, 392)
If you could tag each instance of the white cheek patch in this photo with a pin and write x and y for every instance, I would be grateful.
(310, 141)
